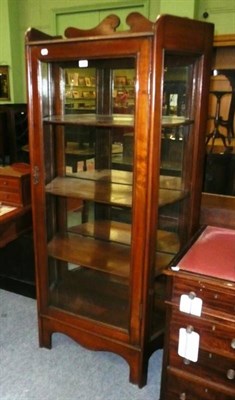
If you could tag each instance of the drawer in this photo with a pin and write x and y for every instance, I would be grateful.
(11, 198)
(9, 184)
(188, 387)
(214, 337)
(15, 190)
(210, 366)
(215, 297)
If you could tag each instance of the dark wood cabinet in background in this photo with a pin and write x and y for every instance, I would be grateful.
(13, 133)
(16, 239)
(103, 233)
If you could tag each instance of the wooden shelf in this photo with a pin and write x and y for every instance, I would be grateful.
(113, 231)
(99, 188)
(170, 182)
(109, 257)
(114, 120)
(124, 177)
(104, 256)
(105, 175)
(101, 192)
(169, 121)
(120, 232)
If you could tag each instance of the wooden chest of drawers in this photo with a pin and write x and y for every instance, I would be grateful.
(15, 186)
(201, 321)
(15, 193)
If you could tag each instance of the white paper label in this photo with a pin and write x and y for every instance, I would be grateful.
(188, 345)
(196, 306)
(44, 52)
(190, 306)
(185, 303)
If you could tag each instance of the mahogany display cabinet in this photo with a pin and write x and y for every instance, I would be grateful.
(105, 228)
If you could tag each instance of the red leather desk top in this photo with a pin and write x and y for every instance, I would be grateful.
(212, 254)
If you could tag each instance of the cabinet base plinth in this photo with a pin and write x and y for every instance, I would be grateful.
(136, 358)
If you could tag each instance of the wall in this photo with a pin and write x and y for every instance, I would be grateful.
(17, 52)
(12, 48)
(18, 15)
(184, 8)
(89, 16)
(5, 40)
(220, 12)
(44, 13)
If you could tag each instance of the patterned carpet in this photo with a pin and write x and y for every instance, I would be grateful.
(67, 371)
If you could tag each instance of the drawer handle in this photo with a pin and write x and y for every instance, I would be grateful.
(233, 343)
(231, 374)
(189, 329)
(192, 295)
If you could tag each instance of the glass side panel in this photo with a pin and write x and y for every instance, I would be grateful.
(176, 147)
(89, 132)
(175, 166)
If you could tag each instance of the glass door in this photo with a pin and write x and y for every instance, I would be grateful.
(89, 188)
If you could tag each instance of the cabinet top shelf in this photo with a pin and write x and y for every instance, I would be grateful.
(116, 120)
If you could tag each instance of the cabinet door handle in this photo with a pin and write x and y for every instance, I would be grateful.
(231, 374)
(233, 343)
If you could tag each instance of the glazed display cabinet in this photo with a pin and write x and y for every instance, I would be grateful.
(115, 189)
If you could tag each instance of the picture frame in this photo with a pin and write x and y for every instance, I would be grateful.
(93, 81)
(72, 78)
(131, 93)
(77, 94)
(131, 82)
(4, 83)
(120, 80)
(69, 94)
(86, 94)
(87, 81)
(81, 81)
